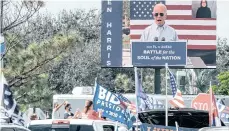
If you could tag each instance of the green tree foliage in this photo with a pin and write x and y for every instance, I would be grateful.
(123, 83)
(222, 55)
(36, 47)
(223, 87)
(204, 76)
(27, 68)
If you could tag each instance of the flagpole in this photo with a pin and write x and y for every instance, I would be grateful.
(166, 94)
(177, 126)
(136, 100)
(116, 126)
(1, 59)
(141, 75)
(210, 112)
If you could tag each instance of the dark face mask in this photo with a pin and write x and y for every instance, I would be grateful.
(70, 109)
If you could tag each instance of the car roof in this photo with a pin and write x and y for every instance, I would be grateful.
(12, 126)
(72, 121)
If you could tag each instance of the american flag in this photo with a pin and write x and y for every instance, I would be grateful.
(172, 83)
(200, 33)
(9, 107)
(132, 107)
(123, 98)
(177, 100)
(126, 103)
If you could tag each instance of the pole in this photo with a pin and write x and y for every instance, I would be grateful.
(1, 16)
(116, 126)
(141, 75)
(1, 35)
(210, 111)
(166, 94)
(177, 79)
(1, 60)
(177, 126)
(136, 91)
(157, 81)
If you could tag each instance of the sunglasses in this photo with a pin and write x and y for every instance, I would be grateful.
(156, 14)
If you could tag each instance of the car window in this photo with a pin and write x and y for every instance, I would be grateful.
(60, 128)
(108, 128)
(40, 127)
(81, 128)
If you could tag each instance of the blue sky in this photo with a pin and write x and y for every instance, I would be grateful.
(54, 6)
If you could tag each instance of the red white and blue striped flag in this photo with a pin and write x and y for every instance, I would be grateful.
(177, 100)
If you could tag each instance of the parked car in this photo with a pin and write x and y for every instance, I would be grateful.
(74, 125)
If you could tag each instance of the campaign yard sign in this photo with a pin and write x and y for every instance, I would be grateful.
(112, 106)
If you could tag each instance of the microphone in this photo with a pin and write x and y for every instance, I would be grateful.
(163, 39)
(155, 38)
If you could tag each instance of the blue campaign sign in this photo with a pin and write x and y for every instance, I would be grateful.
(111, 33)
(159, 53)
(151, 127)
(113, 107)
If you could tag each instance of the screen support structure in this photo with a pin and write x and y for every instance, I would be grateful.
(157, 81)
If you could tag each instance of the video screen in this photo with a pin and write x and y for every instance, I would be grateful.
(127, 22)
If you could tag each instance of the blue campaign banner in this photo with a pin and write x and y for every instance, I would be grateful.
(151, 127)
(111, 33)
(159, 53)
(113, 108)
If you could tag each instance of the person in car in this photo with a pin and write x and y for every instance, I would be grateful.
(69, 115)
(89, 113)
(33, 117)
(57, 106)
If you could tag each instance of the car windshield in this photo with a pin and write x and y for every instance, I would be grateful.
(60, 128)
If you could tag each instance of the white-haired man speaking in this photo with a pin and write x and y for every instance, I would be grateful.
(159, 30)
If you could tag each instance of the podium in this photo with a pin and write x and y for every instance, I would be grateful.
(156, 54)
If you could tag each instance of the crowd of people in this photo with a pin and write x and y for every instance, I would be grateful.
(87, 113)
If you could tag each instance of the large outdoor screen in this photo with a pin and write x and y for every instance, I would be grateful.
(124, 22)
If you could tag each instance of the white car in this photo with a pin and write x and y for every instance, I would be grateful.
(74, 125)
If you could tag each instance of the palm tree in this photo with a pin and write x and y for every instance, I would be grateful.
(204, 76)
